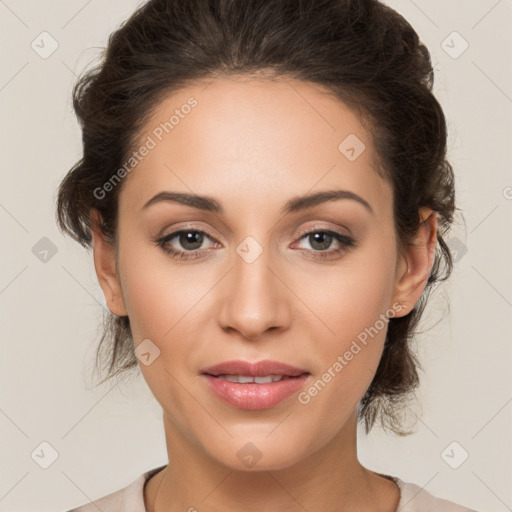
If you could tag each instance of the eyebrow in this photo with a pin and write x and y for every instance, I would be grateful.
(293, 205)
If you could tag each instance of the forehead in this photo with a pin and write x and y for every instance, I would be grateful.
(258, 139)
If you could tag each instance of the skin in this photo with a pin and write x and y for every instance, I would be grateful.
(252, 144)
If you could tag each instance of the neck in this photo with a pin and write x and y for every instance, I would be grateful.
(330, 479)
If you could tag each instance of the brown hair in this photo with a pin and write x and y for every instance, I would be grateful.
(362, 51)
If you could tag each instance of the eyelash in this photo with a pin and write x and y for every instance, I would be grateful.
(345, 241)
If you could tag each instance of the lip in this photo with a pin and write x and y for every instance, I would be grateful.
(254, 396)
(258, 369)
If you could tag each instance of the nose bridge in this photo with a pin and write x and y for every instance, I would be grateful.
(254, 301)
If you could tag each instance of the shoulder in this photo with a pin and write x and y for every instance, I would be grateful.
(128, 499)
(414, 498)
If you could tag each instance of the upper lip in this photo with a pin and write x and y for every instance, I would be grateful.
(259, 369)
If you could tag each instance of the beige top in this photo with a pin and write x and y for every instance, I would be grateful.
(131, 498)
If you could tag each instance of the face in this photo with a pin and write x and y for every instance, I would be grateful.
(249, 279)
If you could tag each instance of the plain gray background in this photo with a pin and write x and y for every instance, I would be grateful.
(51, 310)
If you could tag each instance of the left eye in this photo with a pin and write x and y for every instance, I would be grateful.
(192, 241)
(323, 239)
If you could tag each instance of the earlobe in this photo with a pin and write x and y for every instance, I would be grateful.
(105, 266)
(416, 262)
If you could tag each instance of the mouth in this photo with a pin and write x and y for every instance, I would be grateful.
(249, 379)
(254, 386)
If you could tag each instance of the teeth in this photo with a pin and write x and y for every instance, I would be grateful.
(246, 379)
(242, 379)
(267, 379)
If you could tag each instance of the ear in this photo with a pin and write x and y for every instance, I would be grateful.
(415, 263)
(105, 265)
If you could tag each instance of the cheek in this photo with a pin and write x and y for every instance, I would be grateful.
(350, 298)
(158, 293)
(161, 299)
(353, 303)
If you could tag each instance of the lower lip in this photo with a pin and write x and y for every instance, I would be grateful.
(255, 396)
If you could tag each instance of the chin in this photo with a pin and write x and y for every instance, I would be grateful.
(260, 453)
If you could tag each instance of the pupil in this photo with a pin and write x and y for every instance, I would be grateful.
(188, 238)
(327, 240)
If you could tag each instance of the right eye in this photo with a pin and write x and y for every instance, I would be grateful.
(190, 239)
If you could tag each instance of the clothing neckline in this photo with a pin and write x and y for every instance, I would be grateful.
(398, 483)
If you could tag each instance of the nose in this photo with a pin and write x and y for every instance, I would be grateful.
(254, 298)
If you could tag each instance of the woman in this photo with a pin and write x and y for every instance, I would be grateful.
(265, 187)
